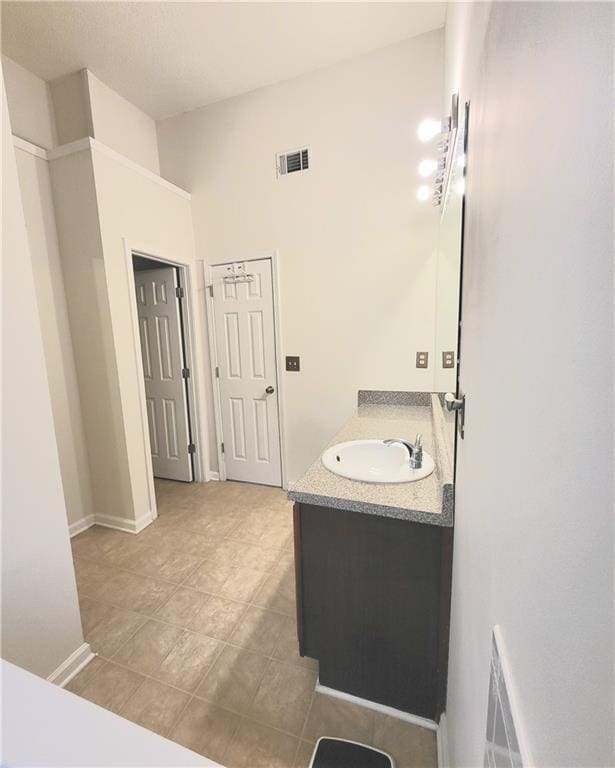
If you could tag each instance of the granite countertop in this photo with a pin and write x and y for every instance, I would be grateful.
(383, 415)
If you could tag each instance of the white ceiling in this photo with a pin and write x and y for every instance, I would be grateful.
(170, 57)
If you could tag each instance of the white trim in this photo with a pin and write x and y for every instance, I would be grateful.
(273, 257)
(197, 417)
(105, 150)
(125, 523)
(277, 333)
(81, 525)
(442, 743)
(80, 145)
(199, 438)
(72, 665)
(513, 698)
(407, 717)
(109, 521)
(138, 360)
(27, 146)
(94, 145)
(215, 384)
(213, 475)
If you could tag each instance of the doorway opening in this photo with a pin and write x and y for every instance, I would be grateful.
(244, 336)
(160, 297)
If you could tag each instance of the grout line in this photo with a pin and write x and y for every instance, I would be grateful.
(188, 629)
(266, 574)
(281, 556)
(134, 693)
(193, 694)
(309, 712)
(202, 560)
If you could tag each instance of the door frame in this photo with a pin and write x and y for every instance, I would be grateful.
(186, 281)
(273, 257)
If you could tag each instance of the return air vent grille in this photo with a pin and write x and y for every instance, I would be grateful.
(292, 162)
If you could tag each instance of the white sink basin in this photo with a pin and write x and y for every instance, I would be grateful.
(372, 461)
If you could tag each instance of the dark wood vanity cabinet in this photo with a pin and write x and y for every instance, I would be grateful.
(373, 601)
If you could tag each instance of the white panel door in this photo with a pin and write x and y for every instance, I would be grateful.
(246, 360)
(163, 363)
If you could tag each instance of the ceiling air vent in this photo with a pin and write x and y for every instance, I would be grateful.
(292, 162)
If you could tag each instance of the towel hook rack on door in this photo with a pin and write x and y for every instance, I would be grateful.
(247, 278)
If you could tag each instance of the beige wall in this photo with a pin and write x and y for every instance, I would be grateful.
(85, 106)
(534, 496)
(35, 186)
(90, 320)
(122, 126)
(71, 106)
(41, 626)
(357, 250)
(92, 429)
(75, 106)
(101, 203)
(133, 208)
(30, 105)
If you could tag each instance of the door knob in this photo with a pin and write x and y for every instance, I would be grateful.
(270, 390)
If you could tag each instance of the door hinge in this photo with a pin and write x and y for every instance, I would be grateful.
(192, 448)
(221, 447)
(179, 292)
(217, 371)
(211, 291)
(185, 373)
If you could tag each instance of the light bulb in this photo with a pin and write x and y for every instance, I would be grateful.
(428, 128)
(427, 167)
(423, 192)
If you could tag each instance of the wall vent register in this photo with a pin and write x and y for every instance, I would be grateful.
(292, 162)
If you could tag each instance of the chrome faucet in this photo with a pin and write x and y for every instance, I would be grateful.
(414, 449)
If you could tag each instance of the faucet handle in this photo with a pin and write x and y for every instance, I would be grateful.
(418, 440)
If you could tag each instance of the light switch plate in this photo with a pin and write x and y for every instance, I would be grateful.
(448, 359)
(422, 359)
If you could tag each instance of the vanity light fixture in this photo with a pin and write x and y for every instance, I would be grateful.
(446, 130)
(446, 149)
(428, 129)
(427, 167)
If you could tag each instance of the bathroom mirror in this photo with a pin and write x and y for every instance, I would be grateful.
(450, 248)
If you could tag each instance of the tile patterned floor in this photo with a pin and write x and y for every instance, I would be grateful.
(193, 623)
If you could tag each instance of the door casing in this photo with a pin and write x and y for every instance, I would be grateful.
(199, 434)
(215, 384)
(158, 388)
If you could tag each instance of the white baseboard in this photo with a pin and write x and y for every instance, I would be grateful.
(109, 521)
(72, 665)
(81, 525)
(407, 717)
(442, 743)
(213, 475)
(124, 523)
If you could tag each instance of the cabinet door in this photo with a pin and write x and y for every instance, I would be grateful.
(370, 605)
